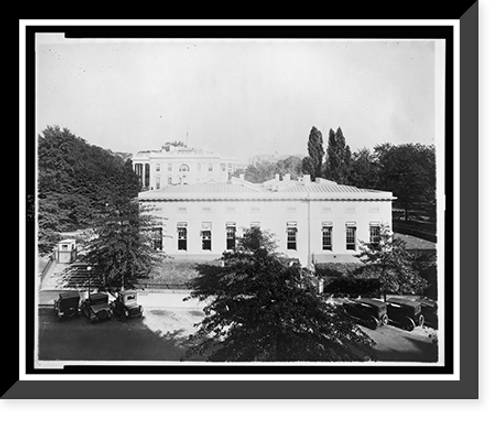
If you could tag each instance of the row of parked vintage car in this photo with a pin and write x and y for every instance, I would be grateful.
(97, 306)
(402, 312)
(370, 312)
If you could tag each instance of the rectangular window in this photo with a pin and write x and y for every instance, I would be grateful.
(206, 236)
(169, 167)
(223, 167)
(230, 236)
(158, 183)
(350, 237)
(181, 236)
(158, 238)
(291, 236)
(206, 240)
(157, 167)
(327, 236)
(374, 234)
(210, 167)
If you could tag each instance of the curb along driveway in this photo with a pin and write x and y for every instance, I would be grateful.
(148, 299)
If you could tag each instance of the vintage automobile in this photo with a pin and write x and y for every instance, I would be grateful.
(126, 305)
(367, 311)
(67, 304)
(405, 313)
(429, 311)
(96, 307)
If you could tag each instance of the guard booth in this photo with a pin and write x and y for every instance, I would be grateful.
(66, 251)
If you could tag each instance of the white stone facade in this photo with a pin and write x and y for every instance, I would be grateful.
(312, 221)
(175, 165)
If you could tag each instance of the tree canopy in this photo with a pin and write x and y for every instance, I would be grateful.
(75, 180)
(390, 262)
(263, 307)
(264, 171)
(338, 158)
(122, 247)
(313, 163)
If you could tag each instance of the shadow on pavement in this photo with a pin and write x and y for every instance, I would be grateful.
(419, 349)
(77, 339)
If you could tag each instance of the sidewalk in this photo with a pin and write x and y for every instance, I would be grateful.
(148, 299)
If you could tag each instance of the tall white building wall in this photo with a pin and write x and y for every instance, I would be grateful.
(308, 216)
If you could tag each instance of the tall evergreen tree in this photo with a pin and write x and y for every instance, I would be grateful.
(338, 157)
(314, 165)
(332, 162)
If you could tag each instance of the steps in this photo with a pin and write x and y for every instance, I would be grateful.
(71, 276)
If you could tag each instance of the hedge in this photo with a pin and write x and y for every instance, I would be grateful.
(352, 287)
(174, 273)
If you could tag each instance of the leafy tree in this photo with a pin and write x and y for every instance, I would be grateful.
(390, 261)
(75, 179)
(263, 308)
(122, 247)
(264, 171)
(364, 171)
(308, 167)
(409, 171)
(313, 165)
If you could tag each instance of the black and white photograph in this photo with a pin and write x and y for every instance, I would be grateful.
(239, 202)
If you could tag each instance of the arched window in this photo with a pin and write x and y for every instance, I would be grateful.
(184, 168)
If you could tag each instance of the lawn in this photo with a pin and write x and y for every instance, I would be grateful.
(173, 273)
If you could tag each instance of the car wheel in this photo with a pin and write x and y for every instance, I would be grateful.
(384, 319)
(373, 323)
(421, 320)
(409, 324)
(70, 312)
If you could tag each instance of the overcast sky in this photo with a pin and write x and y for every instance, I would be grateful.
(238, 97)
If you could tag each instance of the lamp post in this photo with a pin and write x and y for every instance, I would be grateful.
(89, 269)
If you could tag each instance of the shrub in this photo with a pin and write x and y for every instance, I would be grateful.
(352, 287)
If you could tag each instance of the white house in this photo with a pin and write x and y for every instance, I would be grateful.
(174, 165)
(315, 222)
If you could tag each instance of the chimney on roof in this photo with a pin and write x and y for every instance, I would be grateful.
(287, 177)
(306, 179)
(242, 176)
(277, 177)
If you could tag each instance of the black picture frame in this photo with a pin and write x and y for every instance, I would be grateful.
(468, 385)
